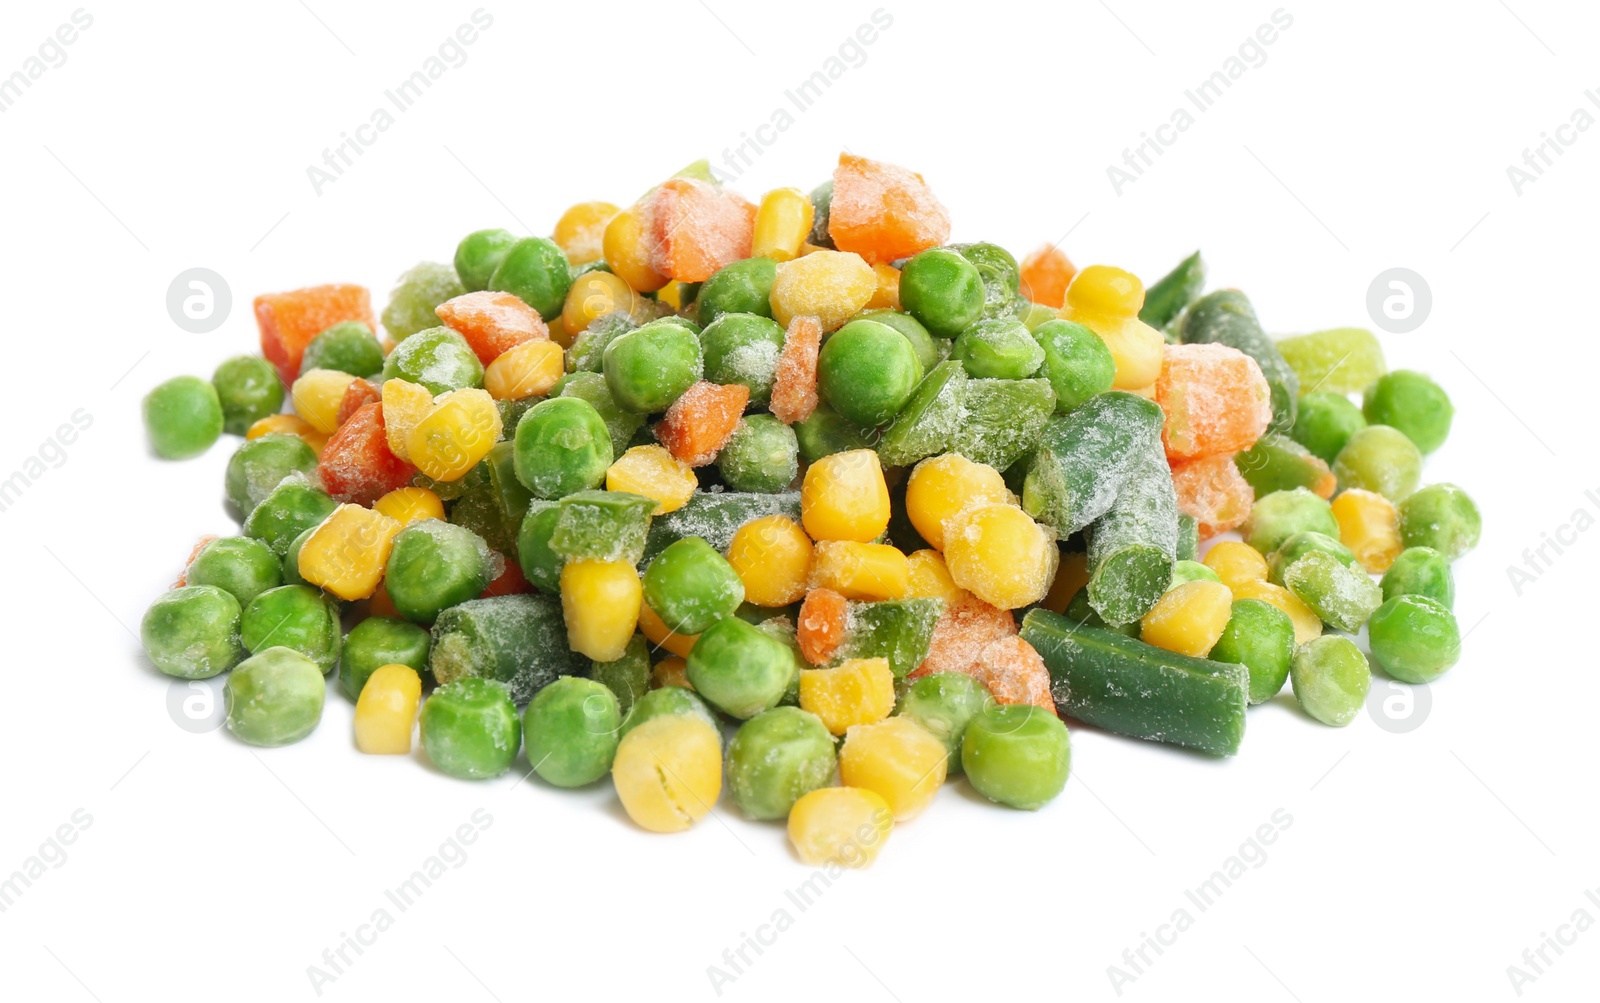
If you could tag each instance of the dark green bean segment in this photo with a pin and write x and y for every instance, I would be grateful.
(1017, 755)
(1414, 638)
(1084, 458)
(1133, 546)
(1278, 463)
(1169, 295)
(777, 757)
(571, 731)
(274, 697)
(1331, 679)
(193, 632)
(928, 423)
(517, 640)
(470, 729)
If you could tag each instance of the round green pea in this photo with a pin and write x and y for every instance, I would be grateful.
(1184, 572)
(1281, 514)
(238, 565)
(1331, 678)
(621, 425)
(541, 565)
(479, 254)
(945, 703)
(536, 271)
(1076, 362)
(739, 669)
(437, 358)
(998, 349)
(1421, 571)
(691, 586)
(667, 700)
(274, 697)
(1016, 754)
(996, 264)
(291, 558)
(928, 353)
(867, 371)
(761, 455)
(821, 206)
(651, 366)
(1259, 636)
(470, 729)
(743, 348)
(350, 347)
(943, 290)
(434, 565)
(261, 464)
(1301, 544)
(1414, 638)
(293, 507)
(627, 677)
(193, 632)
(1443, 517)
(414, 297)
(742, 287)
(777, 757)
(1325, 422)
(378, 641)
(561, 445)
(249, 389)
(183, 417)
(1382, 459)
(1412, 403)
(297, 617)
(571, 731)
(827, 431)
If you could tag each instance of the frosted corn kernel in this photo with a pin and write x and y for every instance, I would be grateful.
(1236, 562)
(844, 825)
(600, 601)
(460, 430)
(628, 247)
(316, 396)
(346, 553)
(861, 571)
(559, 333)
(856, 691)
(898, 760)
(594, 295)
(887, 295)
(288, 424)
(831, 286)
(1071, 577)
(1107, 300)
(942, 486)
(672, 671)
(656, 631)
(999, 554)
(654, 472)
(1370, 526)
(844, 497)
(772, 556)
(1106, 290)
(580, 232)
(1307, 625)
(1189, 618)
(386, 710)
(783, 222)
(526, 370)
(671, 294)
(408, 505)
(668, 772)
(930, 579)
(404, 405)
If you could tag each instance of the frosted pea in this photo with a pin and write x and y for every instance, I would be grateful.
(238, 565)
(1331, 679)
(416, 293)
(297, 617)
(183, 417)
(571, 730)
(742, 348)
(193, 632)
(1382, 459)
(1443, 517)
(470, 729)
(777, 757)
(274, 697)
(1414, 639)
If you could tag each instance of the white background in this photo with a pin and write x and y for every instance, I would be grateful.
(1417, 865)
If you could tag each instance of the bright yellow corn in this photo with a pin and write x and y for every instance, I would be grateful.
(1071, 576)
(887, 295)
(408, 505)
(288, 424)
(594, 295)
(460, 430)
(944, 485)
(1370, 526)
(1307, 625)
(668, 772)
(1236, 562)
(930, 579)
(526, 370)
(862, 571)
(1107, 300)
(844, 825)
(831, 286)
(627, 250)
(999, 554)
(404, 405)
(654, 472)
(346, 553)
(672, 671)
(316, 396)
(783, 222)
(600, 601)
(772, 556)
(856, 691)
(844, 497)
(580, 231)
(386, 710)
(898, 760)
(671, 294)
(656, 631)
(1189, 618)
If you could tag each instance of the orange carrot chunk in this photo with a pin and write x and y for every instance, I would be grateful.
(288, 321)
(699, 423)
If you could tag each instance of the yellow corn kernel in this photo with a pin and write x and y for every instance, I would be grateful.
(654, 472)
(668, 772)
(460, 430)
(862, 571)
(288, 424)
(1370, 526)
(1071, 577)
(404, 404)
(409, 505)
(559, 333)
(999, 554)
(600, 601)
(627, 246)
(672, 671)
(596, 294)
(887, 295)
(843, 825)
(930, 579)
(1236, 562)
(844, 497)
(897, 759)
(1106, 290)
(1107, 301)
(346, 553)
(656, 631)
(316, 396)
(526, 370)
(772, 556)
(386, 710)
(942, 486)
(831, 286)
(1189, 618)
(856, 691)
(1307, 625)
(671, 294)
(580, 231)
(783, 222)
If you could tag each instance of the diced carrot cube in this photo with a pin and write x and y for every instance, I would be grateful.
(961, 634)
(357, 395)
(1015, 673)
(1214, 492)
(794, 382)
(697, 228)
(199, 545)
(510, 582)
(492, 322)
(698, 424)
(356, 464)
(821, 627)
(883, 212)
(1046, 273)
(1215, 398)
(288, 321)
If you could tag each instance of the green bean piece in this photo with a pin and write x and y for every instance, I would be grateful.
(715, 516)
(927, 424)
(1084, 457)
(1003, 419)
(517, 640)
(602, 526)
(1169, 295)
(1133, 546)
(1278, 463)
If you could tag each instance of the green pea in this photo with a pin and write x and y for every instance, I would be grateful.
(742, 287)
(1302, 543)
(1413, 403)
(998, 349)
(822, 205)
(943, 290)
(437, 358)
(743, 348)
(1259, 636)
(291, 558)
(1076, 361)
(664, 701)
(1382, 459)
(761, 455)
(248, 389)
(561, 446)
(183, 417)
(238, 565)
(535, 270)
(414, 297)
(827, 431)
(1343, 596)
(470, 729)
(1325, 422)
(1277, 516)
(293, 507)
(994, 263)
(928, 352)
(297, 617)
(1017, 755)
(540, 564)
(1184, 572)
(867, 371)
(945, 703)
(777, 757)
(739, 669)
(629, 676)
(1443, 517)
(193, 632)
(1421, 571)
(691, 586)
(378, 641)
(259, 465)
(479, 254)
(274, 697)
(350, 347)
(1331, 678)
(511, 412)
(651, 366)
(621, 425)
(1414, 638)
(570, 728)
(588, 351)
(434, 565)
